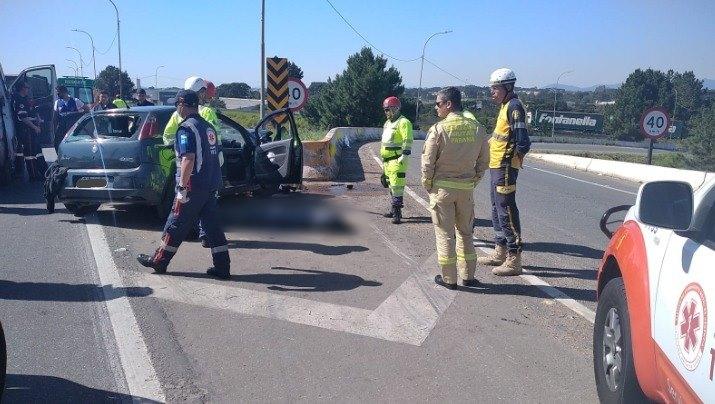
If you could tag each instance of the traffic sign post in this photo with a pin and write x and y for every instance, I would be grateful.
(297, 94)
(654, 124)
(277, 86)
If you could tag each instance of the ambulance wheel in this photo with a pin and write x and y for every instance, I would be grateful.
(613, 365)
(80, 210)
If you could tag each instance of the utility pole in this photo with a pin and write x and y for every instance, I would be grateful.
(94, 63)
(75, 66)
(156, 76)
(422, 66)
(119, 49)
(81, 61)
(556, 89)
(263, 57)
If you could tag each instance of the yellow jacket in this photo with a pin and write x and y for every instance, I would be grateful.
(172, 126)
(455, 153)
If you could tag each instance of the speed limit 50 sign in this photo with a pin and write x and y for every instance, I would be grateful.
(655, 123)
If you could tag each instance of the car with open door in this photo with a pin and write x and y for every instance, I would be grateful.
(654, 332)
(42, 81)
(118, 157)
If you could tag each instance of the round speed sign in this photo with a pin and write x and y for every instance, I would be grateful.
(655, 123)
(297, 94)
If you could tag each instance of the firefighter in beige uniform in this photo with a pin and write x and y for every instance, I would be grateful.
(454, 158)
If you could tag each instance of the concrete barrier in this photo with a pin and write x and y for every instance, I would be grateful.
(628, 171)
(321, 158)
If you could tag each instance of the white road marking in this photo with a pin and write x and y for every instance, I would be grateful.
(559, 296)
(580, 180)
(139, 372)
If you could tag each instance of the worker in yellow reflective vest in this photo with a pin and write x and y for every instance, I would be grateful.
(507, 147)
(396, 147)
(119, 102)
(454, 158)
(197, 84)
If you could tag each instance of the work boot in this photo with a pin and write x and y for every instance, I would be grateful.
(471, 283)
(149, 262)
(397, 215)
(510, 267)
(438, 280)
(496, 258)
(390, 214)
(219, 273)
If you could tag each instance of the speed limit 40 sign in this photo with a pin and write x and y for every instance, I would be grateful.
(655, 123)
(297, 94)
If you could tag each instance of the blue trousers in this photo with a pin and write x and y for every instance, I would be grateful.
(201, 206)
(505, 214)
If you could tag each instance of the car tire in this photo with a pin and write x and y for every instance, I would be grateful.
(81, 210)
(266, 190)
(613, 365)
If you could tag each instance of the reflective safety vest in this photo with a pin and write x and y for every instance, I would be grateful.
(208, 113)
(510, 136)
(396, 139)
(120, 103)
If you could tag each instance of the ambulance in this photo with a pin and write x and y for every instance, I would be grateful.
(654, 333)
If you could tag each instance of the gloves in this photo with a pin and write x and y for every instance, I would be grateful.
(384, 181)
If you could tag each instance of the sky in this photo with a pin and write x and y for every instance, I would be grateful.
(602, 42)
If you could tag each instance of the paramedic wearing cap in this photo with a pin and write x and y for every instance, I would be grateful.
(197, 85)
(198, 179)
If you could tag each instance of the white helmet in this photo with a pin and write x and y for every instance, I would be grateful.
(502, 76)
(194, 83)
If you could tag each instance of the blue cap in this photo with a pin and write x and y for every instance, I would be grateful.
(188, 98)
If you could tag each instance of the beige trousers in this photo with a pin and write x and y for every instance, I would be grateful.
(453, 215)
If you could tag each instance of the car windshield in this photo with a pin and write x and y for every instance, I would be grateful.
(118, 126)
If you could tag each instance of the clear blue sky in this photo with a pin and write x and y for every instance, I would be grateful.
(601, 41)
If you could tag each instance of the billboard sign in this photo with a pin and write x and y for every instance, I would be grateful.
(571, 121)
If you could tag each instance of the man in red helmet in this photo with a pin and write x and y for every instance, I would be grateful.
(396, 146)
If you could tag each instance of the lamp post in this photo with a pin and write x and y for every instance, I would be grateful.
(91, 40)
(263, 57)
(156, 76)
(422, 66)
(75, 66)
(119, 50)
(81, 61)
(556, 89)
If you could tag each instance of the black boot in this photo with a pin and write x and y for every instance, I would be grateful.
(396, 214)
(219, 273)
(149, 262)
(438, 280)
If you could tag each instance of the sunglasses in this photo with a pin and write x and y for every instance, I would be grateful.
(440, 104)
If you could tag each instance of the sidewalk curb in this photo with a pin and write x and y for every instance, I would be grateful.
(321, 158)
(628, 171)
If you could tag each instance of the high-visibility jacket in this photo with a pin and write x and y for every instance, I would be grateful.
(510, 135)
(396, 139)
(208, 113)
(455, 153)
(120, 103)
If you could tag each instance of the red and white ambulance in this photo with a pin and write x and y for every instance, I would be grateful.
(654, 334)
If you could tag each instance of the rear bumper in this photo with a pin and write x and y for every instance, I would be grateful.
(141, 185)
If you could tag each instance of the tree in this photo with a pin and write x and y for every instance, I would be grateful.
(689, 92)
(315, 87)
(701, 143)
(642, 89)
(234, 90)
(108, 80)
(354, 97)
(294, 71)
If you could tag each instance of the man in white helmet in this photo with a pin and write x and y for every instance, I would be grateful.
(507, 147)
(198, 85)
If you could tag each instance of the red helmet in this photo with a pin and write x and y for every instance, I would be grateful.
(210, 90)
(391, 102)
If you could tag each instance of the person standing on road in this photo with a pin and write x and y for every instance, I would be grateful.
(119, 102)
(198, 85)
(507, 147)
(29, 130)
(141, 99)
(198, 179)
(103, 103)
(395, 148)
(454, 158)
(64, 113)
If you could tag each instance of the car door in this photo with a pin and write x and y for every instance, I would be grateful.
(42, 81)
(237, 146)
(684, 321)
(278, 158)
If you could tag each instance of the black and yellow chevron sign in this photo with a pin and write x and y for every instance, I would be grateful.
(277, 71)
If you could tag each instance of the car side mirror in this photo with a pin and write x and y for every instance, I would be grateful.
(666, 204)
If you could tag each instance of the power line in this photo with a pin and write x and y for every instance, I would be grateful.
(446, 72)
(366, 40)
(110, 45)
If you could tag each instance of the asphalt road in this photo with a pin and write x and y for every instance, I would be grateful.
(591, 148)
(328, 301)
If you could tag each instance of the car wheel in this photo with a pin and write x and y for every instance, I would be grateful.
(615, 373)
(266, 190)
(81, 210)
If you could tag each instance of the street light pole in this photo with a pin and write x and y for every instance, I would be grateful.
(119, 50)
(422, 66)
(94, 63)
(75, 65)
(263, 57)
(556, 89)
(81, 61)
(156, 76)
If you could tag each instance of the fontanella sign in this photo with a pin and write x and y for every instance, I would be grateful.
(575, 121)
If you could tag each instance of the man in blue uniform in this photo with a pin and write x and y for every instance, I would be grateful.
(198, 179)
(29, 128)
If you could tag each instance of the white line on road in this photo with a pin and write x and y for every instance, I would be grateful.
(580, 180)
(139, 372)
(558, 295)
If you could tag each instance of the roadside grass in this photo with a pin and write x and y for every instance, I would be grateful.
(673, 160)
(250, 119)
